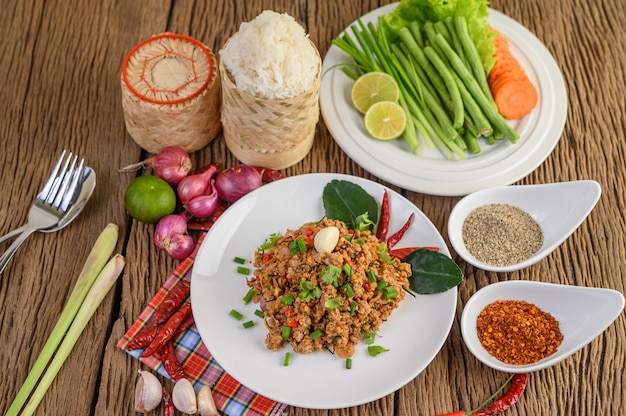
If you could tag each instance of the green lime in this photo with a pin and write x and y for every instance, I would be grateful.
(385, 120)
(149, 198)
(374, 87)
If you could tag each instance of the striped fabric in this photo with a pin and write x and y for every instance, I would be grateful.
(231, 397)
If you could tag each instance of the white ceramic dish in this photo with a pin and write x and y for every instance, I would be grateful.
(414, 333)
(559, 208)
(430, 172)
(583, 314)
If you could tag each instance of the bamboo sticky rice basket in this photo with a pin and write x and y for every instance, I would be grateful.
(171, 93)
(273, 133)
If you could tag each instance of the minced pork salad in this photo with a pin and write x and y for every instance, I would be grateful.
(326, 299)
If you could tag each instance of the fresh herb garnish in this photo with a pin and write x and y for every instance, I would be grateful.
(346, 201)
(432, 272)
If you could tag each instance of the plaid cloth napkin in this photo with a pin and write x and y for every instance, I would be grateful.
(231, 397)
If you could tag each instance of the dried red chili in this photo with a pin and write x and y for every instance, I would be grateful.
(170, 361)
(401, 253)
(508, 399)
(396, 237)
(269, 175)
(385, 214)
(162, 313)
(168, 330)
(168, 404)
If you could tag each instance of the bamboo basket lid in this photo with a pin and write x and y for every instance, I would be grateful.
(171, 93)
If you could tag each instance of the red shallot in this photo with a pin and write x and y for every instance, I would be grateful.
(237, 181)
(170, 234)
(171, 164)
(203, 206)
(195, 185)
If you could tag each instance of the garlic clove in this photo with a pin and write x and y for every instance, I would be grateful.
(206, 404)
(326, 239)
(184, 397)
(148, 392)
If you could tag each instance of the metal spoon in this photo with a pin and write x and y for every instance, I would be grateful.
(81, 199)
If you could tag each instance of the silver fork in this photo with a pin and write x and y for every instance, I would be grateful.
(51, 203)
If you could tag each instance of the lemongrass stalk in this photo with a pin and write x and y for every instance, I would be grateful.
(99, 290)
(96, 260)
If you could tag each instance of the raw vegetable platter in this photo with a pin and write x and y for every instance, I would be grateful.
(413, 334)
(429, 172)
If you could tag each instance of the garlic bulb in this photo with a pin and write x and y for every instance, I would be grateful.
(148, 392)
(326, 239)
(184, 397)
(206, 404)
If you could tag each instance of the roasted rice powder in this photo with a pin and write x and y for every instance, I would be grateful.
(517, 332)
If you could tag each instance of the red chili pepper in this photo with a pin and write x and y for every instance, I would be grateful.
(401, 253)
(168, 330)
(508, 399)
(269, 175)
(162, 313)
(168, 403)
(385, 214)
(395, 238)
(170, 361)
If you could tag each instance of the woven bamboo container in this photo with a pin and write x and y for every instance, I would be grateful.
(171, 93)
(273, 133)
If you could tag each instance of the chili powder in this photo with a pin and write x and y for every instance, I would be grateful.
(518, 332)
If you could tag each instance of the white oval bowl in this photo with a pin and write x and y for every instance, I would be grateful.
(559, 208)
(583, 314)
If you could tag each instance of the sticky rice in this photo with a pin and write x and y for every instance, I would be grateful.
(271, 57)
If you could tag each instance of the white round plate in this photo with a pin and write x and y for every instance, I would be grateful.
(431, 173)
(413, 334)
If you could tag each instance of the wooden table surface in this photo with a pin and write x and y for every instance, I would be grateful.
(60, 65)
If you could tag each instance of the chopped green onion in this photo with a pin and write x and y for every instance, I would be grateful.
(360, 241)
(353, 307)
(348, 363)
(249, 296)
(305, 295)
(248, 324)
(374, 350)
(286, 332)
(301, 244)
(259, 313)
(333, 303)
(390, 292)
(305, 284)
(347, 269)
(371, 276)
(287, 357)
(235, 314)
(381, 285)
(316, 334)
(370, 337)
(317, 292)
(239, 260)
(243, 270)
(329, 274)
(348, 237)
(384, 254)
(287, 299)
(349, 290)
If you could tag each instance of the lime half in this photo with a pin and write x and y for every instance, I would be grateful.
(372, 88)
(385, 120)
